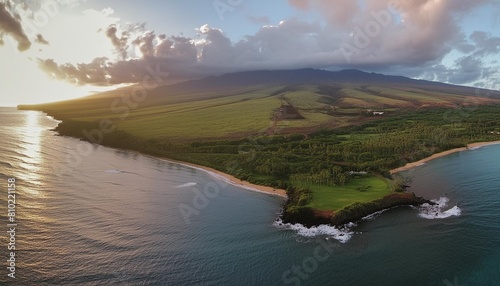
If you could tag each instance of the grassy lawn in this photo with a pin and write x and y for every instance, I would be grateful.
(334, 198)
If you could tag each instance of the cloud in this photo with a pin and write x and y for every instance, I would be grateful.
(10, 24)
(211, 53)
(471, 67)
(71, 3)
(92, 73)
(410, 31)
(468, 69)
(120, 43)
(145, 43)
(411, 36)
(41, 40)
(465, 70)
(175, 54)
(485, 44)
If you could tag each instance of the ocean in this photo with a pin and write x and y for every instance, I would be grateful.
(92, 215)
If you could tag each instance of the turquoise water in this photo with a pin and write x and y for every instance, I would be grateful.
(90, 215)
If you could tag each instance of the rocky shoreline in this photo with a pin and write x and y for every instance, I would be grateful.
(310, 217)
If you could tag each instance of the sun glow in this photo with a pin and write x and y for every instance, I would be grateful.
(24, 83)
(69, 36)
(31, 148)
(31, 140)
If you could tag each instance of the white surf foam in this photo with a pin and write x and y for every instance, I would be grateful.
(190, 184)
(437, 211)
(342, 235)
(374, 215)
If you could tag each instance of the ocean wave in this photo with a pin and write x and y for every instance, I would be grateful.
(341, 234)
(6, 164)
(190, 184)
(437, 211)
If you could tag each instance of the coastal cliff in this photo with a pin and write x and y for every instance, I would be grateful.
(351, 213)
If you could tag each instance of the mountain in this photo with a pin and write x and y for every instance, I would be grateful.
(243, 103)
(249, 81)
(311, 77)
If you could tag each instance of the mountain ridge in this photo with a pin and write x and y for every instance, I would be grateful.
(312, 76)
(247, 103)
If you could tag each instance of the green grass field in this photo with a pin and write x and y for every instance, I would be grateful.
(245, 111)
(334, 198)
(371, 100)
(208, 128)
(252, 117)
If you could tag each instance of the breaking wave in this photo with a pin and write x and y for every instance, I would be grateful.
(437, 211)
(190, 184)
(341, 234)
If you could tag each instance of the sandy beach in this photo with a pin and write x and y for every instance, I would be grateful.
(232, 180)
(442, 154)
(282, 193)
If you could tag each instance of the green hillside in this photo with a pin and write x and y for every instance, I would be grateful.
(248, 111)
(307, 138)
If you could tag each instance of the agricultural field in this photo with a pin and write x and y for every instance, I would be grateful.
(282, 135)
(214, 108)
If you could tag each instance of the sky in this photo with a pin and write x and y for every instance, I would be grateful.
(54, 50)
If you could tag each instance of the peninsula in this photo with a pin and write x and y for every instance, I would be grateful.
(331, 141)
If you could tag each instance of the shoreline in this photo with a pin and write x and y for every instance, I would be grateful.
(471, 146)
(216, 174)
(219, 175)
